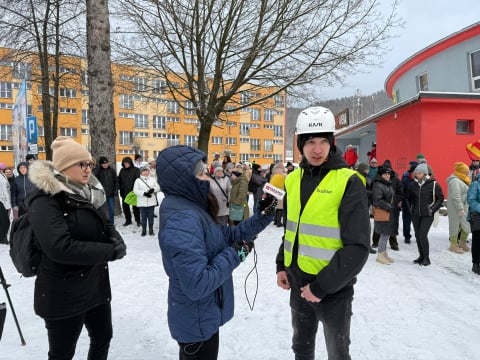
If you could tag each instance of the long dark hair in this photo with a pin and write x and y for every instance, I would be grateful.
(213, 206)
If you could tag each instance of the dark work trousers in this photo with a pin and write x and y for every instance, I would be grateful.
(335, 315)
(421, 226)
(407, 220)
(128, 214)
(205, 350)
(476, 246)
(63, 334)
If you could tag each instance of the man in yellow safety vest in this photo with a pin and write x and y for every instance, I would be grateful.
(326, 240)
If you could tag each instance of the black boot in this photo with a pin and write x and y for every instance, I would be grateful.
(127, 222)
(393, 242)
(144, 230)
(150, 230)
(476, 268)
(418, 260)
(375, 239)
(425, 261)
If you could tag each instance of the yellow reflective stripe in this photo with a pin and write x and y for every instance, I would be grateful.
(318, 230)
(316, 253)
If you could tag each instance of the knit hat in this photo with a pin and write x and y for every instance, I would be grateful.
(420, 156)
(373, 160)
(363, 167)
(384, 170)
(461, 168)
(302, 139)
(67, 152)
(236, 173)
(422, 169)
(218, 168)
(144, 168)
(229, 165)
(387, 164)
(103, 160)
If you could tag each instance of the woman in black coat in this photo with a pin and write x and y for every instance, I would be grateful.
(126, 179)
(72, 288)
(425, 198)
(383, 198)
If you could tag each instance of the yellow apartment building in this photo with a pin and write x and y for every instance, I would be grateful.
(148, 118)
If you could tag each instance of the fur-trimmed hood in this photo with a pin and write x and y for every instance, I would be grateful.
(46, 178)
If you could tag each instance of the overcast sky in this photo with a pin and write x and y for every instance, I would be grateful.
(426, 22)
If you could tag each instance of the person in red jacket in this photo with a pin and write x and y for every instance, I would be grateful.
(350, 156)
(372, 154)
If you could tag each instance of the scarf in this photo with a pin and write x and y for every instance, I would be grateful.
(93, 191)
(463, 177)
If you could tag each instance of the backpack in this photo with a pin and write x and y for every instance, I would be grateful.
(25, 254)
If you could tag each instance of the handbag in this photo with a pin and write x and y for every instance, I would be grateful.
(380, 214)
(436, 214)
(131, 199)
(236, 212)
(474, 221)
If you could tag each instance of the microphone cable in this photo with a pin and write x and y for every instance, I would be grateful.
(251, 305)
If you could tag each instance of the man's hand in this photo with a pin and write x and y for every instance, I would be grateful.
(307, 294)
(282, 280)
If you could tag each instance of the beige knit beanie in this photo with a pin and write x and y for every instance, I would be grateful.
(67, 152)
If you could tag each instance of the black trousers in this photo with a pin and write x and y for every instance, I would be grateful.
(128, 214)
(476, 247)
(205, 350)
(63, 334)
(421, 225)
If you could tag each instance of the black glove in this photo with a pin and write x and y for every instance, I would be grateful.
(267, 205)
(119, 248)
(150, 191)
(147, 194)
(242, 248)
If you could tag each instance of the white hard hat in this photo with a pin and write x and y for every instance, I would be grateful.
(316, 119)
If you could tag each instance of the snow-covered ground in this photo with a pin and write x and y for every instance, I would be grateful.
(402, 311)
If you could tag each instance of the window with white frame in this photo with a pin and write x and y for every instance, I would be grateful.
(5, 132)
(279, 100)
(278, 157)
(255, 113)
(22, 71)
(278, 130)
(232, 123)
(255, 144)
(5, 90)
(190, 121)
(244, 129)
(8, 106)
(159, 86)
(159, 122)
(422, 82)
(68, 93)
(245, 97)
(141, 121)
(190, 140)
(125, 137)
(141, 84)
(173, 139)
(68, 110)
(126, 101)
(189, 108)
(140, 134)
(268, 145)
(173, 107)
(268, 114)
(217, 140)
(84, 117)
(72, 132)
(126, 115)
(475, 68)
(231, 140)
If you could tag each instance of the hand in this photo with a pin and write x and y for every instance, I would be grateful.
(150, 191)
(242, 248)
(147, 194)
(307, 294)
(119, 248)
(282, 280)
(267, 205)
(461, 213)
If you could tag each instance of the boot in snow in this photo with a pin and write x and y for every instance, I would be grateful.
(454, 248)
(463, 245)
(388, 258)
(144, 230)
(382, 259)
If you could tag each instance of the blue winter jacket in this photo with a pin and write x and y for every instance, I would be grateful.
(196, 251)
(473, 197)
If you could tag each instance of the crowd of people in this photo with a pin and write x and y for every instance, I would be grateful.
(206, 229)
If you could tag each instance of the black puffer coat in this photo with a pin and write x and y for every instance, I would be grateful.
(383, 196)
(420, 197)
(127, 177)
(74, 239)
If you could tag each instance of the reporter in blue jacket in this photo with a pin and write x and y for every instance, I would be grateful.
(198, 254)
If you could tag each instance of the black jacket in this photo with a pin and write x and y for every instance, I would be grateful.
(339, 276)
(108, 178)
(74, 239)
(421, 197)
(383, 197)
(22, 186)
(127, 177)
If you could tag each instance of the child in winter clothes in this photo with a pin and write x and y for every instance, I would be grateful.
(146, 189)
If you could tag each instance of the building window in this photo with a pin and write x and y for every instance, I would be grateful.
(159, 86)
(72, 132)
(5, 132)
(245, 97)
(22, 71)
(464, 126)
(475, 64)
(126, 101)
(422, 82)
(255, 144)
(217, 140)
(84, 117)
(68, 111)
(244, 129)
(141, 121)
(255, 113)
(189, 108)
(279, 100)
(190, 140)
(159, 122)
(126, 138)
(68, 93)
(141, 84)
(231, 140)
(278, 130)
(173, 107)
(5, 90)
(268, 145)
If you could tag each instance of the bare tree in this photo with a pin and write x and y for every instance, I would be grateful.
(218, 47)
(100, 80)
(39, 32)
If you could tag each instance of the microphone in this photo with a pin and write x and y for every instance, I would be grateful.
(275, 186)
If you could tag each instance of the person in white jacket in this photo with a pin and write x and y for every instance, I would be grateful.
(5, 206)
(146, 189)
